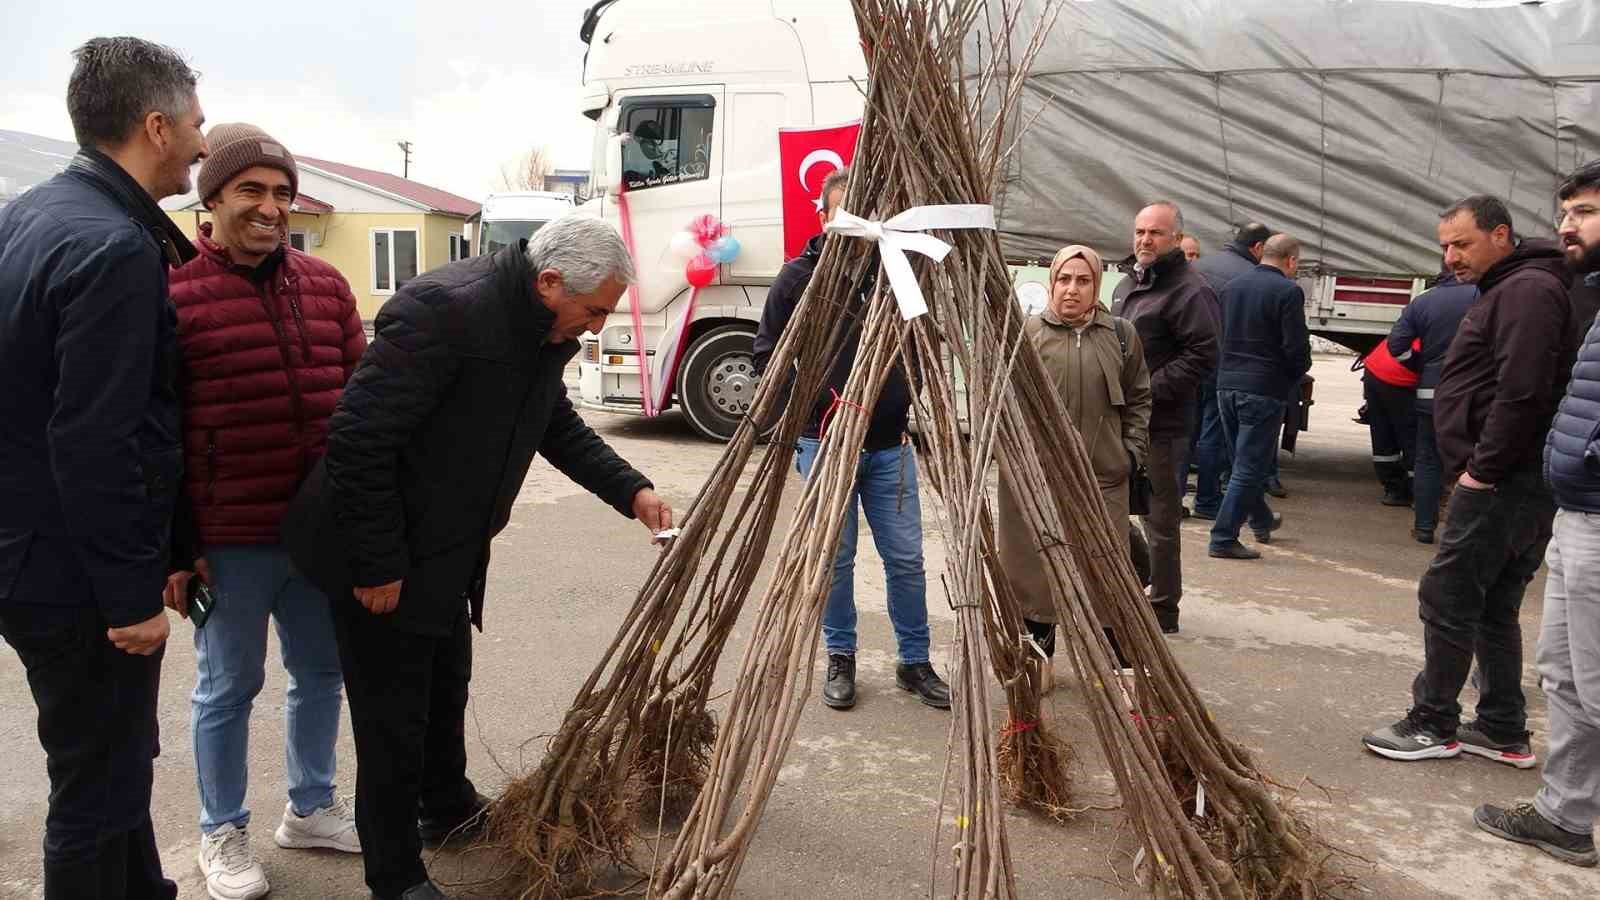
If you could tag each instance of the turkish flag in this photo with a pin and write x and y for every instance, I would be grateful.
(806, 156)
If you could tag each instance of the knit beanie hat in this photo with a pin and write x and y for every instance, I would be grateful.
(235, 147)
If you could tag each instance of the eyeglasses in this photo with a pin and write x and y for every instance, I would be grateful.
(1578, 214)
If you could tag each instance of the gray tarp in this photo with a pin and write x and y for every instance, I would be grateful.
(1348, 124)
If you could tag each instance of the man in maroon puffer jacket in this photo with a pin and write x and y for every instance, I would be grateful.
(269, 336)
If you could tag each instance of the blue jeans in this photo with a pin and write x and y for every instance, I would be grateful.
(886, 488)
(1251, 423)
(1212, 453)
(252, 585)
(1427, 479)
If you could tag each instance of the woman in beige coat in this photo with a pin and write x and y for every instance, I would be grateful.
(1097, 365)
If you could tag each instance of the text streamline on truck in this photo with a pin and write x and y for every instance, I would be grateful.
(1337, 123)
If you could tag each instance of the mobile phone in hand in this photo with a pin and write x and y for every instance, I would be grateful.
(202, 600)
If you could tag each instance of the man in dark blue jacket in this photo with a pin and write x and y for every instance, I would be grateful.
(90, 459)
(1432, 318)
(1211, 452)
(1265, 350)
(1560, 820)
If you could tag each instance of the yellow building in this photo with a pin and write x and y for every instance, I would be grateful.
(379, 230)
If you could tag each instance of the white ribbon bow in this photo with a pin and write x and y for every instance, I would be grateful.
(905, 232)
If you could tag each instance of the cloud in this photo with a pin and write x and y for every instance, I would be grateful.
(490, 116)
(343, 82)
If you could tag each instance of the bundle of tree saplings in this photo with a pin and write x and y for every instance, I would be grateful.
(1211, 824)
(639, 737)
(636, 738)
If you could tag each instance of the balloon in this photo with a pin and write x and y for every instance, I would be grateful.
(685, 246)
(700, 271)
(706, 229)
(724, 249)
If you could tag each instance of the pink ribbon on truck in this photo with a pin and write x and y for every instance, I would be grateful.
(646, 398)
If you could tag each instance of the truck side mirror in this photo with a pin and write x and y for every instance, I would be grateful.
(613, 173)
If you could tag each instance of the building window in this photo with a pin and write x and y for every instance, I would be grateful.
(460, 247)
(297, 240)
(669, 140)
(394, 258)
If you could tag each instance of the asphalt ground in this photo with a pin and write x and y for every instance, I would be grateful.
(1297, 654)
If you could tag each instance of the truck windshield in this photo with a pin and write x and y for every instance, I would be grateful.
(505, 233)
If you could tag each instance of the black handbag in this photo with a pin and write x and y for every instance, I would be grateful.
(1140, 491)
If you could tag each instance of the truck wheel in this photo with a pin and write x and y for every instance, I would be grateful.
(717, 381)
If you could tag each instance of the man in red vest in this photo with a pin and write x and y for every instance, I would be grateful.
(1390, 390)
(269, 336)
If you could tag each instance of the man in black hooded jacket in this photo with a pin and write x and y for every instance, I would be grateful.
(886, 491)
(1503, 377)
(1560, 820)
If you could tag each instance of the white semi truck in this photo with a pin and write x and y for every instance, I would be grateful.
(1369, 133)
(510, 217)
(705, 87)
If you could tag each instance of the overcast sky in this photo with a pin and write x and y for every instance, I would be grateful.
(471, 85)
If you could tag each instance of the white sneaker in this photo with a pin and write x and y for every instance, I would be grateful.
(332, 827)
(231, 870)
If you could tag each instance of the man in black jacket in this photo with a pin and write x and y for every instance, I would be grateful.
(427, 451)
(1265, 350)
(90, 455)
(1211, 451)
(1175, 312)
(1560, 820)
(1505, 372)
(886, 490)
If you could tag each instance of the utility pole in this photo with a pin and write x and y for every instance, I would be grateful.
(405, 147)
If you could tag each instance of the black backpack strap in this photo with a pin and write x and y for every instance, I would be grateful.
(1122, 336)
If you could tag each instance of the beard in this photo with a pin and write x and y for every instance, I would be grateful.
(1587, 261)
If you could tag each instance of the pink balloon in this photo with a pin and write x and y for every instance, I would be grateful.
(707, 229)
(700, 271)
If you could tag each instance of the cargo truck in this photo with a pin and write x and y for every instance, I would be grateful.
(1348, 125)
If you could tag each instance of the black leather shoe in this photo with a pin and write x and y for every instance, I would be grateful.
(1422, 535)
(1395, 498)
(1275, 488)
(1208, 515)
(1234, 550)
(839, 691)
(426, 890)
(459, 828)
(1166, 617)
(922, 680)
(1264, 535)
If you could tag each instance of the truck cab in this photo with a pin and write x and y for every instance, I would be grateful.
(687, 109)
(510, 217)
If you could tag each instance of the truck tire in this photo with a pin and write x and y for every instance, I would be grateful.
(717, 381)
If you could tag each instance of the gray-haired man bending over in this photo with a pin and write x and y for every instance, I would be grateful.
(426, 454)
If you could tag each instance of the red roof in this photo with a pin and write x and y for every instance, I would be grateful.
(431, 197)
(309, 204)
